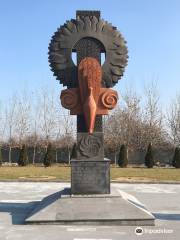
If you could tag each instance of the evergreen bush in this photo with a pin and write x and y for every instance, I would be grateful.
(123, 157)
(23, 157)
(48, 156)
(74, 151)
(149, 158)
(1, 159)
(176, 158)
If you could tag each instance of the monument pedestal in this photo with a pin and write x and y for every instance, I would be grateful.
(101, 209)
(90, 176)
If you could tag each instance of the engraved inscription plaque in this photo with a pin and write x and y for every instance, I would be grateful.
(90, 177)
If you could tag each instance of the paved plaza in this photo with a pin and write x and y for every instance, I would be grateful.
(17, 199)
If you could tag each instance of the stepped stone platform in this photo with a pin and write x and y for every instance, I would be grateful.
(101, 209)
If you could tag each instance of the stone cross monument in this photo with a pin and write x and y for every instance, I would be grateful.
(88, 94)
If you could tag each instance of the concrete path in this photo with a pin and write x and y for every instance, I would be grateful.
(17, 199)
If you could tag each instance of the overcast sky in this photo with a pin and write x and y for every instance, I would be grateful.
(151, 28)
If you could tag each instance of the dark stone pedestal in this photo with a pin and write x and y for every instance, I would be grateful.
(90, 177)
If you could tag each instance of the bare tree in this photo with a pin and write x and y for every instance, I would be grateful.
(47, 121)
(3, 124)
(112, 132)
(153, 116)
(173, 117)
(122, 125)
(10, 116)
(58, 130)
(23, 114)
(68, 130)
(35, 120)
(131, 118)
(152, 109)
(135, 123)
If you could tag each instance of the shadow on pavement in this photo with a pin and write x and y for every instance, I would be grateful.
(20, 211)
(167, 216)
(49, 200)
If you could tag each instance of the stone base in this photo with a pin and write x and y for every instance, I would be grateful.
(107, 209)
(90, 177)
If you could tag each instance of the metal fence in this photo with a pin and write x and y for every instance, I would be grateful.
(60, 155)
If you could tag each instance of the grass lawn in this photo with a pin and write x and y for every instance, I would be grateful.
(153, 174)
(63, 173)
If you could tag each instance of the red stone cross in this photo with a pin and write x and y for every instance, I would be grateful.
(89, 99)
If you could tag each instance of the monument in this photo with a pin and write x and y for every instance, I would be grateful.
(89, 95)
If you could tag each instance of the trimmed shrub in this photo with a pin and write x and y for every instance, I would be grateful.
(1, 159)
(149, 158)
(23, 157)
(74, 151)
(48, 156)
(176, 158)
(123, 157)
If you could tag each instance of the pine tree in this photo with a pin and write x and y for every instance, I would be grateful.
(48, 156)
(123, 157)
(149, 158)
(74, 151)
(1, 159)
(176, 158)
(23, 157)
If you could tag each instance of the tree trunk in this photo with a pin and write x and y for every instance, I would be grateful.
(69, 156)
(115, 159)
(34, 154)
(10, 154)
